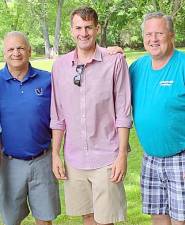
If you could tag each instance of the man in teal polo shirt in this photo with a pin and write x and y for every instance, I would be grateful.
(26, 179)
(158, 99)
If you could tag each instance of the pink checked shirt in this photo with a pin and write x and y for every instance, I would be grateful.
(90, 114)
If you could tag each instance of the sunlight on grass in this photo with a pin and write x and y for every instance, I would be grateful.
(135, 216)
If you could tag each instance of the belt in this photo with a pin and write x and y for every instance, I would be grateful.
(44, 152)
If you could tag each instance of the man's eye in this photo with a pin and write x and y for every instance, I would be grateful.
(10, 50)
(20, 48)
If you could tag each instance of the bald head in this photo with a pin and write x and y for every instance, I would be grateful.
(17, 51)
(17, 34)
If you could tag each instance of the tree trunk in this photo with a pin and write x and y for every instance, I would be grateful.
(47, 45)
(176, 6)
(103, 38)
(58, 28)
(156, 5)
(6, 4)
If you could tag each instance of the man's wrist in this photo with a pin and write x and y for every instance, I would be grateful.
(123, 154)
(55, 153)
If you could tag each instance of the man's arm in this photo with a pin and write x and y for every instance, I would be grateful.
(57, 165)
(119, 167)
(122, 98)
(57, 125)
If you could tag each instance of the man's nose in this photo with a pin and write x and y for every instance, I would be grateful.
(84, 32)
(16, 51)
(154, 36)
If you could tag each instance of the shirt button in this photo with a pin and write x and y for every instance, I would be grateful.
(22, 92)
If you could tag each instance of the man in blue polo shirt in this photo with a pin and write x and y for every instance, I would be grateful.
(158, 99)
(26, 179)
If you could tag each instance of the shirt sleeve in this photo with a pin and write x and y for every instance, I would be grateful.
(57, 116)
(122, 93)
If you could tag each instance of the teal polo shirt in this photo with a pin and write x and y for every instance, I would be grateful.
(158, 100)
(25, 112)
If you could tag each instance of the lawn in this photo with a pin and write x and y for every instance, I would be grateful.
(135, 216)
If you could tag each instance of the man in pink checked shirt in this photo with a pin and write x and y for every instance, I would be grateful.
(90, 109)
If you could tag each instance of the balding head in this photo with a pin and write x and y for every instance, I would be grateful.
(17, 51)
(19, 34)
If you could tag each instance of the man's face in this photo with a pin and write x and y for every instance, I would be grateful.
(84, 33)
(158, 40)
(16, 52)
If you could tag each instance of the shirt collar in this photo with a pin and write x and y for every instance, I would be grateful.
(8, 76)
(96, 57)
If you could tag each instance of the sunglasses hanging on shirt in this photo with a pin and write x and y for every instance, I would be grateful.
(77, 77)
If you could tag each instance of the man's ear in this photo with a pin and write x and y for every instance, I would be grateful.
(98, 29)
(173, 35)
(30, 51)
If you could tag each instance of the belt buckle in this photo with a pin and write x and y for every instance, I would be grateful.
(10, 157)
(45, 152)
(41, 154)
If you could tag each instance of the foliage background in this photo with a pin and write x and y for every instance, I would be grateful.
(120, 21)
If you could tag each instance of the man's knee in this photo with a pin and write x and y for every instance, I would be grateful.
(175, 222)
(41, 222)
(161, 220)
(89, 219)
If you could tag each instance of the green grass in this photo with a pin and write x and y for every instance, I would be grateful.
(45, 64)
(133, 55)
(135, 216)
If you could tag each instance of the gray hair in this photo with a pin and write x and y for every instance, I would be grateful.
(168, 19)
(17, 34)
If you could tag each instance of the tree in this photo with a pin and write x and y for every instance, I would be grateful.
(58, 27)
(47, 22)
(156, 5)
(176, 6)
(106, 9)
(40, 11)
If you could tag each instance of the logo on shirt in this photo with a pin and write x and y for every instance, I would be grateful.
(38, 91)
(166, 82)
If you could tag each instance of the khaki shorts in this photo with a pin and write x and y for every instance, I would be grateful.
(91, 191)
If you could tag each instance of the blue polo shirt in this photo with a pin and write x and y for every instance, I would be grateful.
(158, 99)
(25, 112)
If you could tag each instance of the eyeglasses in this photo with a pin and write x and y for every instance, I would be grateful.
(77, 77)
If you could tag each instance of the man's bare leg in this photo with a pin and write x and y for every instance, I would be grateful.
(175, 222)
(41, 222)
(89, 220)
(161, 220)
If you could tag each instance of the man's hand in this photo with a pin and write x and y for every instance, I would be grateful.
(115, 49)
(119, 168)
(58, 167)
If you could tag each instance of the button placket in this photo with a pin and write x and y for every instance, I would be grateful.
(21, 88)
(83, 114)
